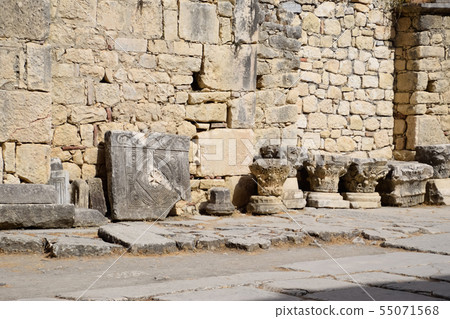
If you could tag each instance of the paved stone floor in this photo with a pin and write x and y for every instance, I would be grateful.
(314, 254)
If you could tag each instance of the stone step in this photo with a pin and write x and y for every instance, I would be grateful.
(27, 194)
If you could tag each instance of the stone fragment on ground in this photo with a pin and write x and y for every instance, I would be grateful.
(248, 243)
(438, 244)
(80, 247)
(85, 217)
(137, 238)
(20, 243)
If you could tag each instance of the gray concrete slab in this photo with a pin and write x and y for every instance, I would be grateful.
(228, 294)
(438, 244)
(439, 271)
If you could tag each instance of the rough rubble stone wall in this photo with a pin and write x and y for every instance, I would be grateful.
(312, 73)
(25, 85)
(325, 75)
(422, 68)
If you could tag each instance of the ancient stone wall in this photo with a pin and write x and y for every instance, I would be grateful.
(422, 69)
(313, 73)
(25, 85)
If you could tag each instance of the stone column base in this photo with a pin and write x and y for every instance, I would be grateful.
(265, 205)
(221, 209)
(293, 199)
(363, 200)
(402, 201)
(438, 192)
(327, 200)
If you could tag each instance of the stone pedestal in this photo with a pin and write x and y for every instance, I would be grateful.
(265, 205)
(363, 200)
(326, 200)
(405, 184)
(437, 156)
(80, 193)
(292, 196)
(219, 202)
(438, 192)
(324, 172)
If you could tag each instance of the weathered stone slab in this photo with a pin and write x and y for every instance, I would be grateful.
(437, 156)
(27, 19)
(97, 195)
(219, 202)
(33, 163)
(299, 287)
(235, 70)
(293, 199)
(85, 217)
(363, 200)
(430, 288)
(241, 111)
(20, 243)
(147, 174)
(405, 184)
(326, 200)
(437, 244)
(59, 178)
(438, 192)
(246, 21)
(25, 116)
(39, 67)
(80, 247)
(228, 294)
(225, 152)
(137, 238)
(418, 131)
(198, 22)
(36, 216)
(27, 194)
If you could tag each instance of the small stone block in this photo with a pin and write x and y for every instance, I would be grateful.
(363, 200)
(326, 200)
(85, 217)
(438, 192)
(219, 202)
(97, 196)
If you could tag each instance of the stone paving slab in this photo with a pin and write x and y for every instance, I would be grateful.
(137, 238)
(375, 278)
(141, 292)
(379, 294)
(438, 289)
(301, 287)
(228, 294)
(438, 271)
(89, 218)
(367, 263)
(438, 244)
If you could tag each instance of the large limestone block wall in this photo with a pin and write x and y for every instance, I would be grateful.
(25, 85)
(422, 68)
(311, 73)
